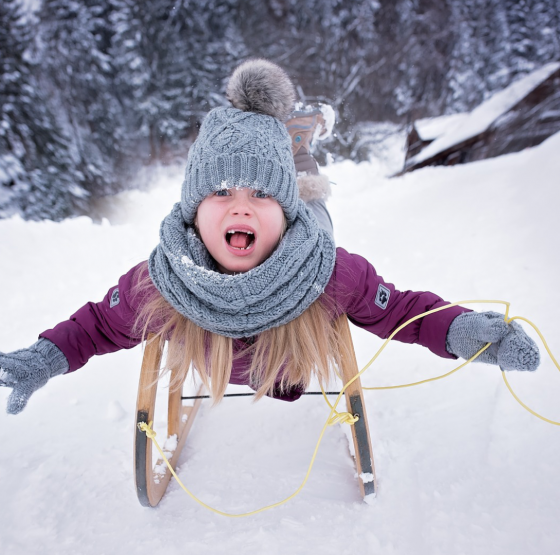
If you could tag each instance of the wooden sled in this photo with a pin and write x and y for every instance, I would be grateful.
(151, 484)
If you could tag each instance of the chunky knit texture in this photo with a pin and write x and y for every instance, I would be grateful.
(240, 149)
(27, 370)
(511, 349)
(245, 304)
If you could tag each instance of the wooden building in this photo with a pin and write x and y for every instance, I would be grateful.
(520, 116)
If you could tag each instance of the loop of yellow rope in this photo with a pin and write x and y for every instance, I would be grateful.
(336, 417)
(346, 418)
(147, 429)
(342, 418)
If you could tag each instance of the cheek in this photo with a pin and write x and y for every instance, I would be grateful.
(204, 211)
(276, 225)
(280, 220)
(204, 222)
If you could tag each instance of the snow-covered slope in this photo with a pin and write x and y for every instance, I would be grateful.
(462, 468)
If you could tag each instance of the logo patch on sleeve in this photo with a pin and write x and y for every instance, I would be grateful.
(115, 299)
(382, 297)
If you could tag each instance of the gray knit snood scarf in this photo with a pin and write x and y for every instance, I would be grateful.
(242, 305)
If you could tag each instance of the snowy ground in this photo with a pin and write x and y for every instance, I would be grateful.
(462, 468)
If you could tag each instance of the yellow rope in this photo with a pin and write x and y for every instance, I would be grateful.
(331, 421)
(417, 318)
(344, 417)
(554, 422)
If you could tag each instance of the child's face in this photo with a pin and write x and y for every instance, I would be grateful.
(240, 227)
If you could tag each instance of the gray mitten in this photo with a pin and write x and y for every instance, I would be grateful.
(511, 349)
(26, 370)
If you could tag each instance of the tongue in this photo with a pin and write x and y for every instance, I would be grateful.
(239, 240)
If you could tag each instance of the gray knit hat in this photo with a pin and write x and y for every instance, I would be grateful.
(246, 145)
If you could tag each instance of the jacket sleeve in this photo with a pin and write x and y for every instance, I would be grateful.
(378, 307)
(99, 328)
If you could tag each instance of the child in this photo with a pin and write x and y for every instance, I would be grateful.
(244, 284)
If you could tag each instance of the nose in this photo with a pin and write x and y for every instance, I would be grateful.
(241, 205)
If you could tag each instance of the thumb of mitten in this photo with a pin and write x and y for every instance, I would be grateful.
(517, 351)
(25, 378)
(18, 398)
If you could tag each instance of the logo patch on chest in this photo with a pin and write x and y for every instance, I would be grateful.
(382, 297)
(115, 299)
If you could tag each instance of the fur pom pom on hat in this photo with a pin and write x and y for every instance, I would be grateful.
(262, 87)
(246, 145)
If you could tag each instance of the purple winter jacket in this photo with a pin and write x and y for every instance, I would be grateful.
(357, 290)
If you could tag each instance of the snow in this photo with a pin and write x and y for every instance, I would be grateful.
(170, 444)
(366, 477)
(321, 133)
(462, 468)
(482, 117)
(30, 6)
(432, 128)
(330, 117)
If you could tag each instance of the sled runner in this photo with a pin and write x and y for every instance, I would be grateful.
(355, 405)
(152, 480)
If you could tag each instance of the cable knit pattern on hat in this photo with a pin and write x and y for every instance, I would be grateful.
(240, 149)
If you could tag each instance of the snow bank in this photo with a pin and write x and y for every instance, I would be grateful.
(461, 467)
(432, 128)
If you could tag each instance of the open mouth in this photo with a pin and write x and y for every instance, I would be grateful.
(240, 239)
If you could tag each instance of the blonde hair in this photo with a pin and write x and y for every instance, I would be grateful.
(283, 357)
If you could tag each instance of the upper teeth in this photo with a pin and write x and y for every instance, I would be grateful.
(239, 231)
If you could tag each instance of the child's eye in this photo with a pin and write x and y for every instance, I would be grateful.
(260, 194)
(222, 193)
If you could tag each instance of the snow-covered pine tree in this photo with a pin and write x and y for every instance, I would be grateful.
(476, 26)
(167, 57)
(534, 34)
(73, 42)
(497, 41)
(37, 178)
(420, 60)
(545, 21)
(13, 74)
